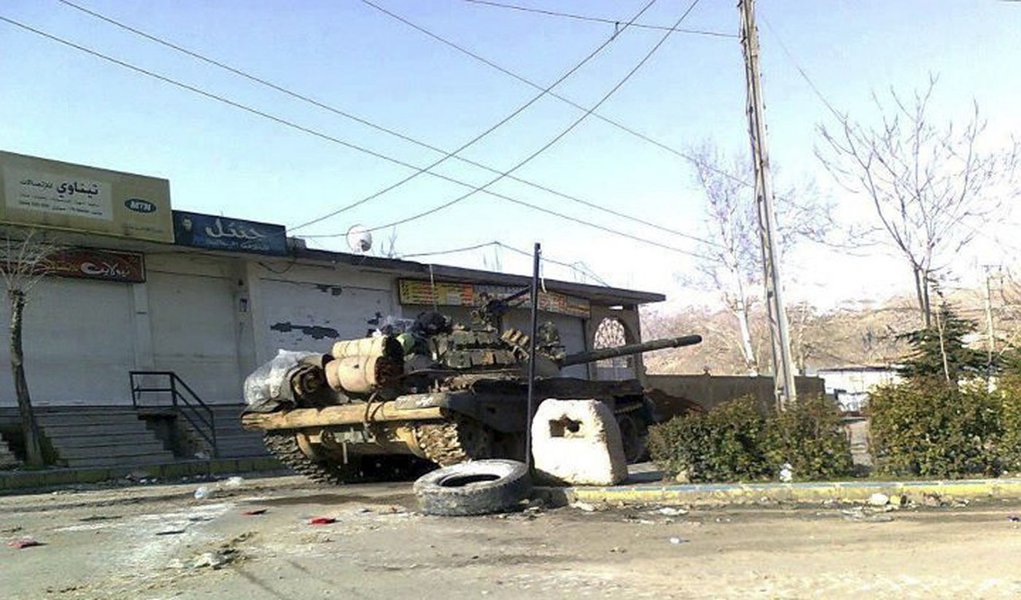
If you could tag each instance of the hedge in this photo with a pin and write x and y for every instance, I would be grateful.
(736, 442)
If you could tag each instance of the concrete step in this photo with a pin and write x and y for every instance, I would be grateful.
(154, 449)
(105, 429)
(102, 437)
(86, 441)
(119, 461)
(71, 418)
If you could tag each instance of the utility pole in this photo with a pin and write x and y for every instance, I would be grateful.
(991, 344)
(783, 365)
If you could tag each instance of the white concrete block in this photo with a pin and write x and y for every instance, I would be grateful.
(577, 442)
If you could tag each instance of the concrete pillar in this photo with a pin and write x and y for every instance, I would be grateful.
(144, 358)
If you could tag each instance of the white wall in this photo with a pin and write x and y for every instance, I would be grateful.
(79, 343)
(318, 313)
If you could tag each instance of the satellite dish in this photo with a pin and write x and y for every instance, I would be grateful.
(359, 240)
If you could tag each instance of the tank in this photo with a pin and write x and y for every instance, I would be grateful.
(430, 391)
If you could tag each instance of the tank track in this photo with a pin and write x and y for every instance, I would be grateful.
(455, 441)
(284, 446)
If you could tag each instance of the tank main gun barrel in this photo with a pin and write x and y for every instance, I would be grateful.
(604, 353)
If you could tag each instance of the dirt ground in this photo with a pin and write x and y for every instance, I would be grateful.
(158, 541)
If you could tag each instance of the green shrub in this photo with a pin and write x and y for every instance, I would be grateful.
(930, 428)
(725, 444)
(811, 437)
(735, 442)
(1010, 442)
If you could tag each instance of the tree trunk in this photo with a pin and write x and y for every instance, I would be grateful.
(741, 312)
(922, 294)
(29, 427)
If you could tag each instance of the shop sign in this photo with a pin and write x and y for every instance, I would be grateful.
(108, 265)
(224, 233)
(38, 192)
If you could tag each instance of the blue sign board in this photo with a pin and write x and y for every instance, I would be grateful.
(224, 233)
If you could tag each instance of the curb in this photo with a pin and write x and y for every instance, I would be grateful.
(808, 492)
(18, 481)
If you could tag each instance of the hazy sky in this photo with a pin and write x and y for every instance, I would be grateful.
(60, 103)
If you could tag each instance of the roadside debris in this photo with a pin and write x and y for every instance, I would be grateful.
(677, 540)
(671, 512)
(787, 473)
(202, 492)
(1014, 519)
(25, 542)
(879, 499)
(322, 521)
(583, 506)
(474, 488)
(863, 514)
(170, 532)
(253, 512)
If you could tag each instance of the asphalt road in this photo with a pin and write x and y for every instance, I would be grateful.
(158, 541)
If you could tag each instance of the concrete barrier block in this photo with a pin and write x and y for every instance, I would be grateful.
(577, 442)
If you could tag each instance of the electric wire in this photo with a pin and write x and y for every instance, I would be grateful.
(577, 17)
(543, 92)
(323, 136)
(553, 141)
(575, 266)
(568, 101)
(333, 109)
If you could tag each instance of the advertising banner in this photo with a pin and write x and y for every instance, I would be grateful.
(108, 265)
(38, 192)
(224, 233)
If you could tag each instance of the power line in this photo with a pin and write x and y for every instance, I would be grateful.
(324, 136)
(564, 99)
(557, 138)
(478, 137)
(804, 75)
(552, 13)
(320, 104)
(573, 266)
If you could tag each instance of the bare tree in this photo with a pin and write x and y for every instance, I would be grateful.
(26, 260)
(733, 259)
(930, 186)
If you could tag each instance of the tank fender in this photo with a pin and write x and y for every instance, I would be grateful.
(504, 413)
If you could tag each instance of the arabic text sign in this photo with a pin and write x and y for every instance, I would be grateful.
(46, 193)
(109, 265)
(52, 193)
(425, 293)
(223, 233)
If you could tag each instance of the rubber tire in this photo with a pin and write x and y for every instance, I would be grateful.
(440, 493)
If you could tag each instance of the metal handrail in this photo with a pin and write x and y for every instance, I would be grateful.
(190, 406)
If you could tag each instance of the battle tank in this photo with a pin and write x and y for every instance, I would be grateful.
(378, 407)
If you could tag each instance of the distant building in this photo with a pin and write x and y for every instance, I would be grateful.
(851, 385)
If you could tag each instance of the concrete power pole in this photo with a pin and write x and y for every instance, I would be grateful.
(991, 344)
(783, 365)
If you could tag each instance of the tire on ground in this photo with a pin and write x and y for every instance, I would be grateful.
(473, 488)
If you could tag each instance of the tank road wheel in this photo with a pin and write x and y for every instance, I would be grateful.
(455, 441)
(633, 433)
(284, 446)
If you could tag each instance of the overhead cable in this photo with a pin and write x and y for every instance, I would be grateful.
(319, 134)
(564, 99)
(576, 266)
(553, 13)
(553, 141)
(321, 104)
(478, 137)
